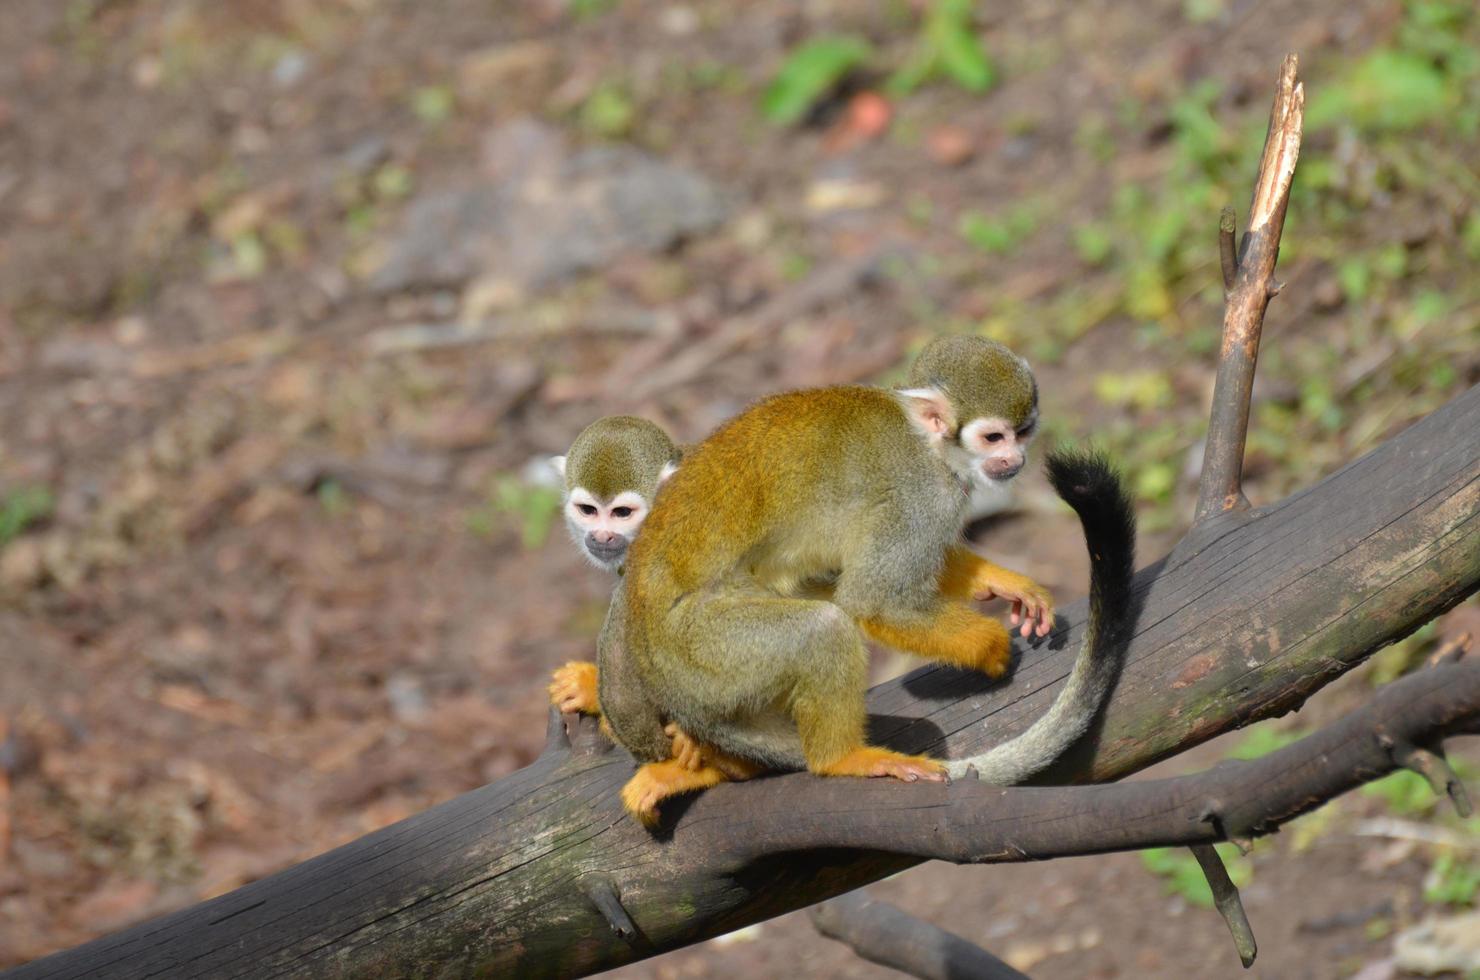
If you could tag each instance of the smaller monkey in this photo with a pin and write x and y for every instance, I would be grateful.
(612, 473)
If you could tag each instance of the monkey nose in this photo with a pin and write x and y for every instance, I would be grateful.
(1002, 469)
(605, 545)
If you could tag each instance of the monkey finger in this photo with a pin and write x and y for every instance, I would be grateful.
(1045, 620)
(1017, 611)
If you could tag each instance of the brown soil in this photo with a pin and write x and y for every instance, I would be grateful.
(272, 607)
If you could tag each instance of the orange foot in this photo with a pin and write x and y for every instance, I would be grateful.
(573, 688)
(694, 755)
(657, 781)
(870, 761)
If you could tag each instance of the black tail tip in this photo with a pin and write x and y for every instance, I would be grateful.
(1080, 475)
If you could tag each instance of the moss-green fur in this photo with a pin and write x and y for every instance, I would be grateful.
(981, 378)
(616, 453)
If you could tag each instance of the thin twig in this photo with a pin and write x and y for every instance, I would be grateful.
(1227, 902)
(603, 894)
(1220, 487)
(1451, 651)
(1227, 251)
(557, 739)
(886, 934)
(1436, 769)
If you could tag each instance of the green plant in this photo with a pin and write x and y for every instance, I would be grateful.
(1451, 881)
(332, 497)
(1405, 793)
(947, 46)
(1183, 876)
(1261, 740)
(532, 508)
(809, 73)
(21, 508)
(608, 112)
(999, 234)
(1387, 91)
(433, 103)
(587, 9)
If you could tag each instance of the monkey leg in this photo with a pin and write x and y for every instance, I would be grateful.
(952, 633)
(801, 656)
(573, 688)
(967, 575)
(580, 686)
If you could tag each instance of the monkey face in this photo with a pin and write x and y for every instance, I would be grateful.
(997, 448)
(604, 529)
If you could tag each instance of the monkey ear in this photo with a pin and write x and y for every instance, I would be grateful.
(929, 409)
(668, 470)
(559, 463)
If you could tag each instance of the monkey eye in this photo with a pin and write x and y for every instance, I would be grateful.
(622, 512)
(588, 509)
(994, 437)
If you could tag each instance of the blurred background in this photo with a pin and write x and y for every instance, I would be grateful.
(293, 291)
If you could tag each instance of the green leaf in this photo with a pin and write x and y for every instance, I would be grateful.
(1451, 882)
(609, 112)
(809, 73)
(1183, 876)
(957, 50)
(1260, 741)
(1387, 91)
(21, 508)
(433, 103)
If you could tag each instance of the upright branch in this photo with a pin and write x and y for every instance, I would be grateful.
(1253, 285)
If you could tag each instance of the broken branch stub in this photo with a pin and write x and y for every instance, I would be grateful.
(1249, 292)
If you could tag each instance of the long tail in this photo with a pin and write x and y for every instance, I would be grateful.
(1090, 485)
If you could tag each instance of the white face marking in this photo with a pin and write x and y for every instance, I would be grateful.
(990, 451)
(603, 530)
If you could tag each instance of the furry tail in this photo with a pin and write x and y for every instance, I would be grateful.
(1094, 489)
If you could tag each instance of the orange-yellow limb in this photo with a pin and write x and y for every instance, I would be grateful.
(967, 575)
(955, 635)
(870, 761)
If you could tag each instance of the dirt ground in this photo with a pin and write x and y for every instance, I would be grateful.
(293, 291)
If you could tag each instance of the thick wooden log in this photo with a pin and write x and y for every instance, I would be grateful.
(1244, 619)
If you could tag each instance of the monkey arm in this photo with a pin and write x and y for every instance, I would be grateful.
(967, 575)
(952, 633)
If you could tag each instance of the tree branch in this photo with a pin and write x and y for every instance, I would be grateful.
(1249, 292)
(886, 934)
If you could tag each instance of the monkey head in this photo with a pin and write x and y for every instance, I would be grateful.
(977, 403)
(612, 473)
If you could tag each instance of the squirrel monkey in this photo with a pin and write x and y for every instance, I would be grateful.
(862, 491)
(612, 473)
